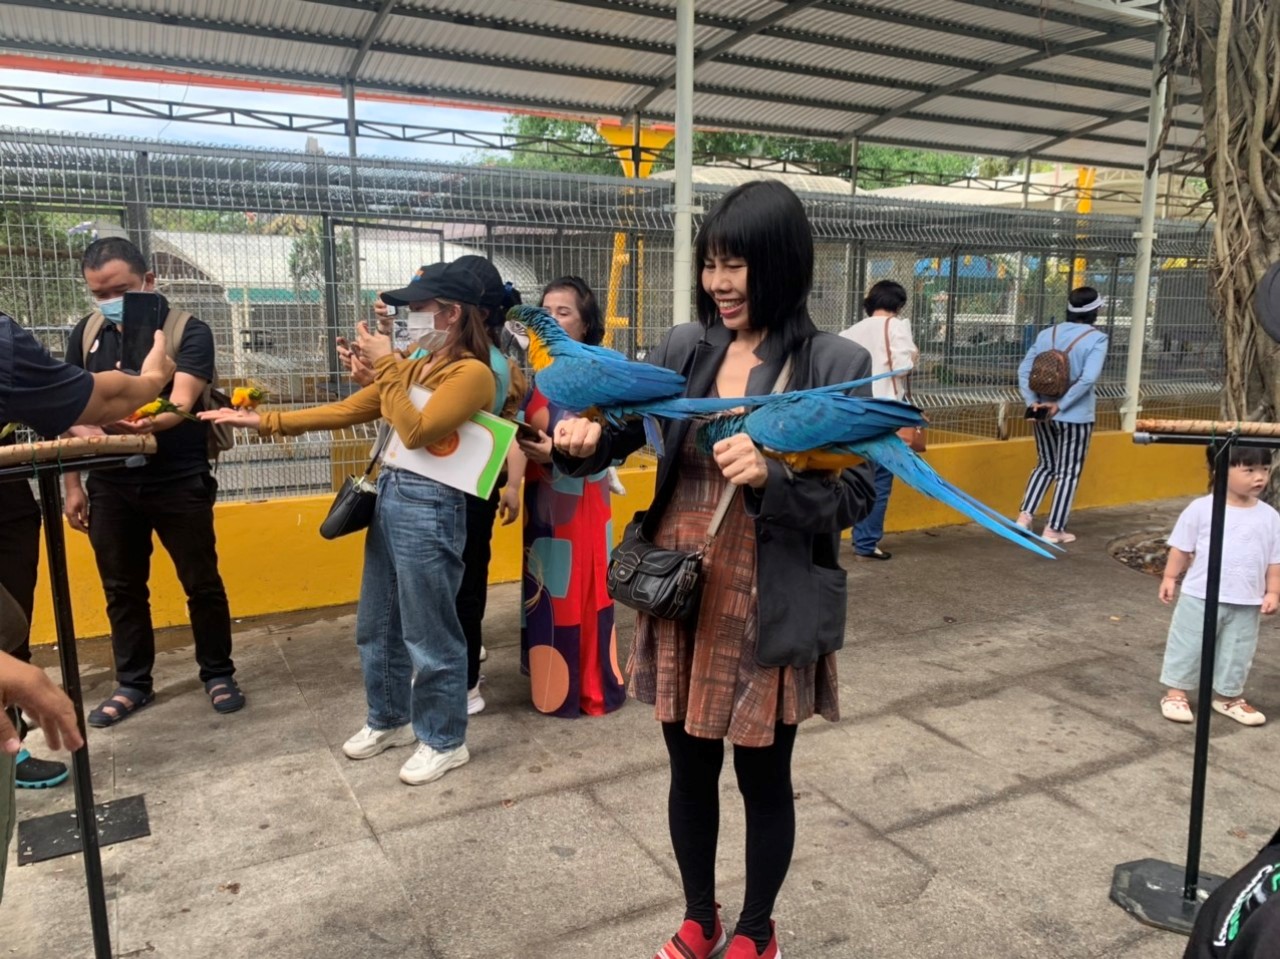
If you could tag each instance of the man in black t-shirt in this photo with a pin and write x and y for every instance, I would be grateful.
(1241, 920)
(172, 496)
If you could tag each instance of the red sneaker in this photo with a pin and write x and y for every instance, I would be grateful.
(690, 943)
(743, 947)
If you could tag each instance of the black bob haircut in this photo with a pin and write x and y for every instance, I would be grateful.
(588, 308)
(763, 223)
(101, 252)
(1243, 456)
(885, 295)
(1081, 296)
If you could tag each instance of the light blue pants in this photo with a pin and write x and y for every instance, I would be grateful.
(412, 649)
(1237, 640)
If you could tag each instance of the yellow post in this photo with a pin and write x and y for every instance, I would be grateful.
(627, 142)
(1086, 176)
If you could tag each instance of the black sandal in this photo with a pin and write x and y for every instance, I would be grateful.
(224, 694)
(126, 701)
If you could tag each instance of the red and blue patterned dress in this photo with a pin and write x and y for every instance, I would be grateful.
(568, 644)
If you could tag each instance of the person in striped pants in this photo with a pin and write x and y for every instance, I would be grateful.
(1064, 424)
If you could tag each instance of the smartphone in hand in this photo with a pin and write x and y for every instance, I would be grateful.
(1037, 412)
(138, 329)
(527, 433)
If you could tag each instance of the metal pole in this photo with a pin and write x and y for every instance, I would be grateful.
(329, 267)
(682, 281)
(86, 823)
(1145, 237)
(355, 192)
(1208, 650)
(953, 294)
(853, 167)
(137, 216)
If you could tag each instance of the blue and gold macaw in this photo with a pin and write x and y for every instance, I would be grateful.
(832, 431)
(600, 383)
(594, 380)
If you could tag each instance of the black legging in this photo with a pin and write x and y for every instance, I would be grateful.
(473, 591)
(693, 811)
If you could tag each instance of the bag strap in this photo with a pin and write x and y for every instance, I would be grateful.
(726, 498)
(888, 354)
(93, 325)
(1078, 339)
(379, 446)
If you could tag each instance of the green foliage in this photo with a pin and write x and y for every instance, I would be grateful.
(204, 221)
(878, 166)
(306, 265)
(40, 282)
(553, 158)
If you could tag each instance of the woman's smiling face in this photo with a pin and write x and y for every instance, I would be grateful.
(724, 278)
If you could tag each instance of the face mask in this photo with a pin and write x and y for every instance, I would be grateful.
(112, 309)
(419, 324)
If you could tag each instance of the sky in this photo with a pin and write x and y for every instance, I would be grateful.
(62, 121)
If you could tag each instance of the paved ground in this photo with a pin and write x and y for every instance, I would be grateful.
(1001, 750)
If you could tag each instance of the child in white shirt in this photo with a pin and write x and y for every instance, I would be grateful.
(1250, 585)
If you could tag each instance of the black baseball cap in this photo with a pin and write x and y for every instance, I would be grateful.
(489, 278)
(438, 281)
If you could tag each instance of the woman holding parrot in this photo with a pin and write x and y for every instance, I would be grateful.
(758, 658)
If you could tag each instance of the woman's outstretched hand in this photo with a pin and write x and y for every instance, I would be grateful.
(577, 437)
(741, 462)
(245, 419)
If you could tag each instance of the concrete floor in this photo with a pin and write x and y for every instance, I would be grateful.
(1001, 750)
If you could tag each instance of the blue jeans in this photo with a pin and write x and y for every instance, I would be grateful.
(868, 533)
(1237, 641)
(412, 650)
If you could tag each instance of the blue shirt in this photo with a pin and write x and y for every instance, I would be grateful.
(1078, 404)
(35, 389)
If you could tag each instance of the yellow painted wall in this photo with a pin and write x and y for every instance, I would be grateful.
(273, 560)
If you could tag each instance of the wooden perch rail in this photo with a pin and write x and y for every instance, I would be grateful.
(1207, 427)
(75, 447)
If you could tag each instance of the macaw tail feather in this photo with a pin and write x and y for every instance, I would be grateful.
(719, 428)
(895, 456)
(653, 434)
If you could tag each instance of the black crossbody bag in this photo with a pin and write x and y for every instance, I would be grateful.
(667, 583)
(352, 508)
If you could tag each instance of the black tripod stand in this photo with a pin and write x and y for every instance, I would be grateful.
(1155, 892)
(47, 475)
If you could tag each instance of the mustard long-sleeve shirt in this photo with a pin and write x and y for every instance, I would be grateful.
(459, 391)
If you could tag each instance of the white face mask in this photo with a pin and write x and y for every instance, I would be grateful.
(418, 324)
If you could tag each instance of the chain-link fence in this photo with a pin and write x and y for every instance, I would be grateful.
(279, 252)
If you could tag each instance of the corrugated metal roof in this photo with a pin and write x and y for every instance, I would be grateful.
(983, 75)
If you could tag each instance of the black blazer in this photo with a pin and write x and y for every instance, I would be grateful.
(798, 516)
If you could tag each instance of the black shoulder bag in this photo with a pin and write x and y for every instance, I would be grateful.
(667, 583)
(352, 508)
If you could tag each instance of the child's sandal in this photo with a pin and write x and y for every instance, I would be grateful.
(1176, 709)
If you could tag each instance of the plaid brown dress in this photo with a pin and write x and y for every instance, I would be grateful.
(707, 674)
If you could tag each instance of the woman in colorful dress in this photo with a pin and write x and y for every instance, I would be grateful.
(758, 658)
(568, 644)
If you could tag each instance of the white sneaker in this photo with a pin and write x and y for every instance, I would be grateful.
(484, 653)
(475, 702)
(426, 765)
(369, 742)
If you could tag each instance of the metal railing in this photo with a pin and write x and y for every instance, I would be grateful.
(260, 244)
